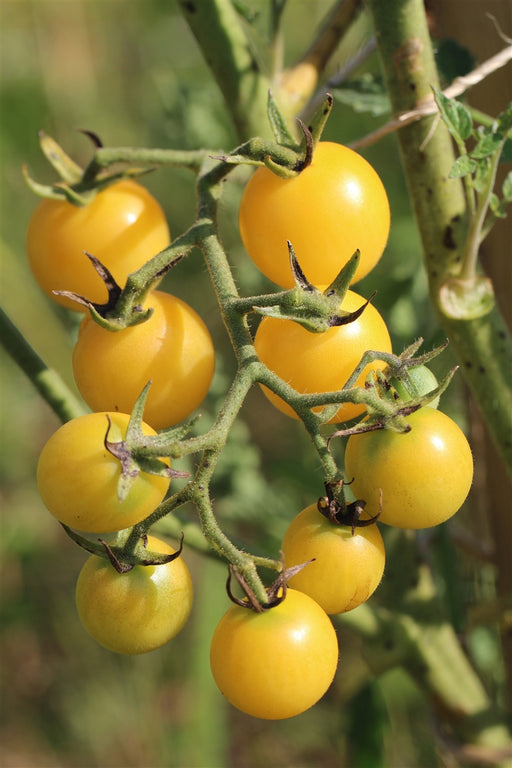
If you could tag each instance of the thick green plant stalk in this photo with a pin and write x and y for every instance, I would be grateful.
(218, 29)
(483, 345)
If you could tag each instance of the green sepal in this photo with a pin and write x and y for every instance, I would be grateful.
(279, 170)
(341, 282)
(319, 118)
(278, 124)
(57, 191)
(68, 170)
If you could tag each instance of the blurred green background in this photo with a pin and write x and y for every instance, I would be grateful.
(130, 71)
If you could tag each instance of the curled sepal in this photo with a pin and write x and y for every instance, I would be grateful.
(124, 561)
(113, 289)
(467, 299)
(280, 170)
(307, 147)
(130, 451)
(278, 124)
(339, 512)
(106, 314)
(58, 191)
(276, 593)
(343, 317)
(147, 557)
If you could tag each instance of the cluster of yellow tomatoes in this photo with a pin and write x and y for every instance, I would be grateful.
(278, 661)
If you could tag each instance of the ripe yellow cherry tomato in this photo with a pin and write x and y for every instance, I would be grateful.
(347, 568)
(335, 206)
(322, 362)
(278, 663)
(137, 611)
(173, 349)
(424, 475)
(77, 477)
(124, 226)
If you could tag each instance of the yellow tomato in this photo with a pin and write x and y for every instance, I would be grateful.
(335, 206)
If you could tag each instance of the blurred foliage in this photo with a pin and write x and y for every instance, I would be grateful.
(130, 71)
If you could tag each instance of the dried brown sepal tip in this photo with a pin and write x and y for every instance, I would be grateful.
(276, 593)
(341, 513)
(113, 288)
(123, 564)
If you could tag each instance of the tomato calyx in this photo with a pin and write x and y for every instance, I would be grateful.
(111, 315)
(316, 309)
(130, 453)
(276, 593)
(123, 566)
(337, 511)
(76, 185)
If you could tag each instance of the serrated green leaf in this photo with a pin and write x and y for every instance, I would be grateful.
(487, 145)
(455, 116)
(463, 166)
(365, 94)
(494, 204)
(483, 168)
(506, 152)
(248, 14)
(453, 60)
(504, 120)
(507, 188)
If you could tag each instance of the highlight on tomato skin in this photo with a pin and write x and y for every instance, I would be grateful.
(276, 664)
(137, 611)
(335, 206)
(124, 226)
(344, 568)
(322, 362)
(424, 475)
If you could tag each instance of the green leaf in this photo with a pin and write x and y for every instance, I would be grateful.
(483, 169)
(504, 120)
(455, 116)
(489, 143)
(463, 166)
(497, 207)
(507, 188)
(366, 94)
(506, 152)
(453, 60)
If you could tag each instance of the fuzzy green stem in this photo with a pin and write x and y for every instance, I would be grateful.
(483, 346)
(218, 30)
(478, 216)
(46, 380)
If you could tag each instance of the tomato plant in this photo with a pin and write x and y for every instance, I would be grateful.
(424, 474)
(347, 566)
(78, 477)
(278, 663)
(420, 381)
(335, 206)
(173, 349)
(136, 611)
(124, 226)
(322, 362)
